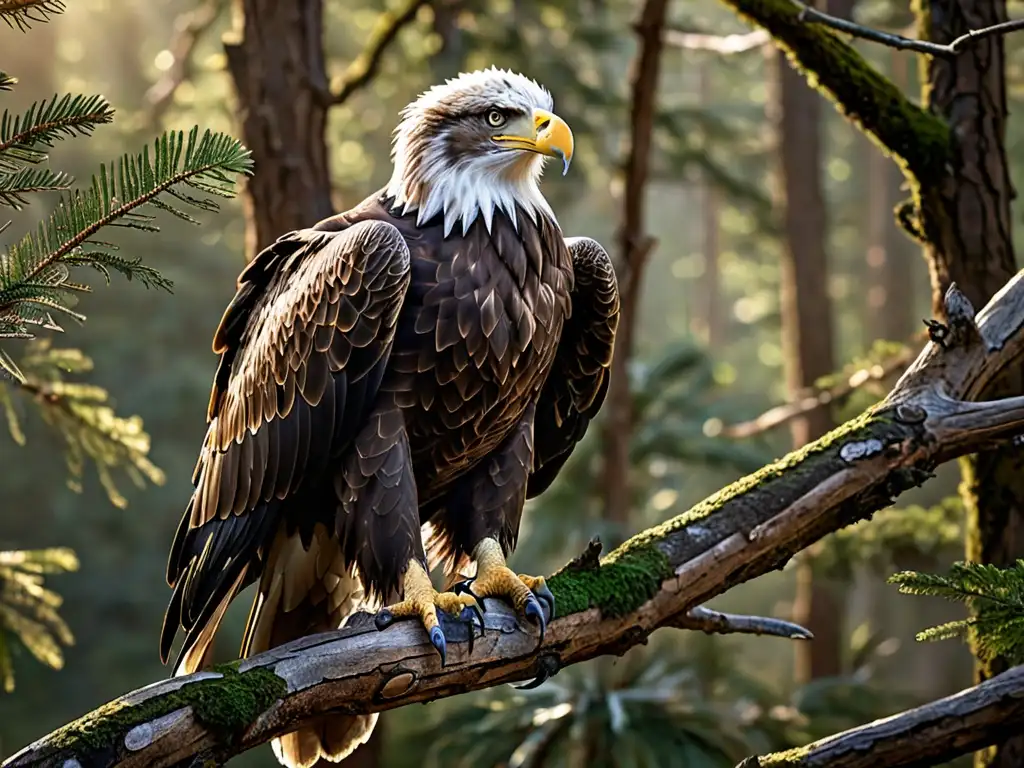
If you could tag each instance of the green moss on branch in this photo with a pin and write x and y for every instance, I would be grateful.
(633, 573)
(918, 140)
(225, 705)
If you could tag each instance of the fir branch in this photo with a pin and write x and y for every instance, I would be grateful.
(14, 187)
(45, 122)
(35, 273)
(23, 13)
(7, 82)
(994, 595)
(82, 417)
(28, 610)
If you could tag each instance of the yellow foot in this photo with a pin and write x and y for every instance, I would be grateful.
(494, 579)
(422, 601)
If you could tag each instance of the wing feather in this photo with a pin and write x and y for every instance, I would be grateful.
(304, 345)
(578, 382)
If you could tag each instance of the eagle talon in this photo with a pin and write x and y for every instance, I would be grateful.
(535, 614)
(464, 588)
(438, 641)
(383, 619)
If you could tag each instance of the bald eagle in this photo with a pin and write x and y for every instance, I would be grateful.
(394, 383)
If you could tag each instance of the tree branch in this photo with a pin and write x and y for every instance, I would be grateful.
(901, 43)
(918, 140)
(724, 44)
(361, 71)
(928, 735)
(188, 31)
(606, 607)
(814, 398)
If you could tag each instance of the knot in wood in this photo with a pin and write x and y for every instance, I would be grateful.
(398, 684)
(910, 414)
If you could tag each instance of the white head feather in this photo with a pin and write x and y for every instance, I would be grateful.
(442, 162)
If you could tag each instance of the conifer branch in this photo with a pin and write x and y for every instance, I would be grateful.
(82, 417)
(28, 610)
(35, 273)
(23, 13)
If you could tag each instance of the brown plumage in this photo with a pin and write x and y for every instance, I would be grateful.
(407, 362)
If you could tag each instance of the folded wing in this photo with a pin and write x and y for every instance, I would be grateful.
(578, 382)
(304, 345)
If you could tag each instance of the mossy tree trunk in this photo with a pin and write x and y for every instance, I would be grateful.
(967, 223)
(795, 111)
(276, 62)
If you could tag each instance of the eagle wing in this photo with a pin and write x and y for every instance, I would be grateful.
(578, 382)
(304, 345)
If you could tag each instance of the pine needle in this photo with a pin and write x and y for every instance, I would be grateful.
(35, 274)
(994, 595)
(21, 14)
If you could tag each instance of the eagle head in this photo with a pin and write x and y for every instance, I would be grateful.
(474, 145)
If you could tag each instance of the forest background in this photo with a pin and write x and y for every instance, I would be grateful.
(722, 276)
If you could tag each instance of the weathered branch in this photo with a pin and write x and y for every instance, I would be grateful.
(361, 71)
(918, 140)
(188, 32)
(813, 398)
(724, 44)
(902, 43)
(928, 735)
(606, 607)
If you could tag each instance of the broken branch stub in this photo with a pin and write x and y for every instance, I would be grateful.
(656, 579)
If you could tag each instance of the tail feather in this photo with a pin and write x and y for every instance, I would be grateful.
(197, 651)
(304, 591)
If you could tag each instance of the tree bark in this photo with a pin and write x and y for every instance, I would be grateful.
(276, 62)
(806, 327)
(967, 222)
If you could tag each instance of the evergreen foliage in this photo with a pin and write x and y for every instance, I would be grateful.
(39, 283)
(994, 595)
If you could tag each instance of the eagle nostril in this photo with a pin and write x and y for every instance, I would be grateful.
(543, 125)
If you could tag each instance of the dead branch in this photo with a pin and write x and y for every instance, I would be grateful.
(811, 14)
(925, 736)
(657, 577)
(188, 32)
(724, 44)
(361, 71)
(814, 398)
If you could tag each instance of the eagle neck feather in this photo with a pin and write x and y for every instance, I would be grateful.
(426, 183)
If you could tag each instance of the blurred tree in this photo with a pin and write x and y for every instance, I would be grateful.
(806, 326)
(37, 287)
(968, 228)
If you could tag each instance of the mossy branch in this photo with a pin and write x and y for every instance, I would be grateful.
(604, 606)
(927, 735)
(918, 140)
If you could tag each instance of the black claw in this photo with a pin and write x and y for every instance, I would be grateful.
(471, 615)
(535, 614)
(438, 641)
(464, 588)
(545, 596)
(384, 619)
(547, 666)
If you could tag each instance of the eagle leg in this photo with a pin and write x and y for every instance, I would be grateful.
(422, 601)
(495, 579)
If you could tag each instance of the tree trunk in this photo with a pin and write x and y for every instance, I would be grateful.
(634, 248)
(276, 62)
(806, 324)
(708, 321)
(967, 221)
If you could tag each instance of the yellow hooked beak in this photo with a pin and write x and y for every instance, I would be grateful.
(551, 136)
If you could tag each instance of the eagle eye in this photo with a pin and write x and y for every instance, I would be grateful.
(496, 118)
